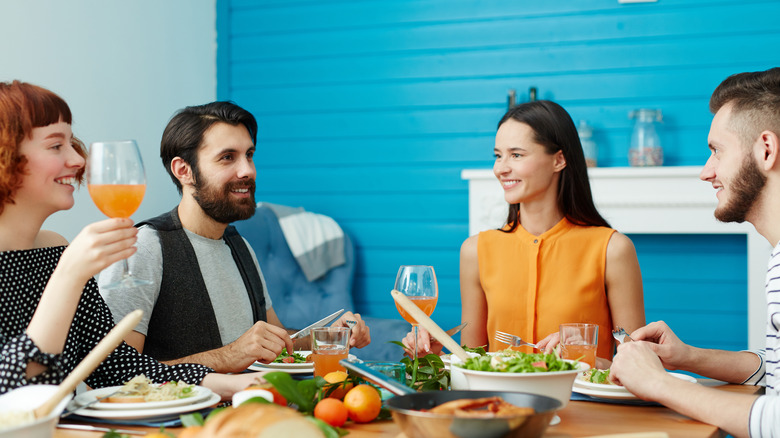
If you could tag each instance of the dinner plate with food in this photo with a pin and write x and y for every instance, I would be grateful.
(300, 362)
(596, 383)
(141, 398)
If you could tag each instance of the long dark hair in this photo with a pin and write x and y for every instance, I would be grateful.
(554, 129)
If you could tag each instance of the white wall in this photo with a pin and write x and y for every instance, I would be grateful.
(124, 67)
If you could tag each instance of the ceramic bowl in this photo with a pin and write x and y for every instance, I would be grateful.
(27, 398)
(555, 384)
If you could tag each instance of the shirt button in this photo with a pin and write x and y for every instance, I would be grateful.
(536, 240)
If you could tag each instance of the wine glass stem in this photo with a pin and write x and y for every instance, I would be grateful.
(416, 363)
(126, 269)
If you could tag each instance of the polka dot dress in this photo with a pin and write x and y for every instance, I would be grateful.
(23, 276)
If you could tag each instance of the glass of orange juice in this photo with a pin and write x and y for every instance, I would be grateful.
(418, 283)
(579, 342)
(328, 346)
(117, 182)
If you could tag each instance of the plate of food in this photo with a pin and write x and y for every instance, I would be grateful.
(595, 383)
(156, 414)
(140, 393)
(300, 362)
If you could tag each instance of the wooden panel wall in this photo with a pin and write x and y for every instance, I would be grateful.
(369, 110)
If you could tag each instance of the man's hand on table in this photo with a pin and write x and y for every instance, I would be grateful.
(263, 343)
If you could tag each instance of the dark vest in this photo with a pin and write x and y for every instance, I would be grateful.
(183, 321)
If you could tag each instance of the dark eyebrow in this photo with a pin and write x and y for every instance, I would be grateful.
(232, 151)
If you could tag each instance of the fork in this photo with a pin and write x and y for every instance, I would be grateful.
(512, 340)
(620, 335)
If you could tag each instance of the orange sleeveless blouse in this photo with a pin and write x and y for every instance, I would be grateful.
(535, 283)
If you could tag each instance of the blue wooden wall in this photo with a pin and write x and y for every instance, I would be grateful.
(369, 110)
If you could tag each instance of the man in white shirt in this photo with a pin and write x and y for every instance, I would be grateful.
(744, 168)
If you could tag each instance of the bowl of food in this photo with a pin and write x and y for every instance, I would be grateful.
(509, 370)
(16, 412)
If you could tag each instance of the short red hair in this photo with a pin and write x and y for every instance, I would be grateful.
(24, 107)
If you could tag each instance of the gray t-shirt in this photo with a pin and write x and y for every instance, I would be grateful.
(227, 291)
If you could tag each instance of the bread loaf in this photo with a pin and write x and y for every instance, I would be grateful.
(259, 420)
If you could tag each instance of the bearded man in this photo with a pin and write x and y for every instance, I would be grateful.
(207, 302)
(744, 169)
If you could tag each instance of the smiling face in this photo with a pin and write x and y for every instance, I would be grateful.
(526, 171)
(732, 171)
(225, 173)
(51, 168)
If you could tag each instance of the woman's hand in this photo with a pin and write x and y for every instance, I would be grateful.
(549, 343)
(98, 246)
(425, 343)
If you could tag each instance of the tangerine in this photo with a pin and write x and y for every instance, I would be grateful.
(338, 377)
(363, 403)
(331, 411)
(190, 432)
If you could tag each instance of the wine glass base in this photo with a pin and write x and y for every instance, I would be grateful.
(126, 282)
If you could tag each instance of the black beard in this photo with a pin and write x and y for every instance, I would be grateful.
(745, 189)
(218, 203)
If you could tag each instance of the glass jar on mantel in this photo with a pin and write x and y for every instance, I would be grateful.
(646, 149)
(589, 147)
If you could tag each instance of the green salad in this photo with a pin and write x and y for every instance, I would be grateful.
(510, 361)
(284, 357)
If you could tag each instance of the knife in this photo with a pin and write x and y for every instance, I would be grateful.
(455, 330)
(306, 330)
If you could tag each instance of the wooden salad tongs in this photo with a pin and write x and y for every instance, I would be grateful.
(433, 328)
(90, 362)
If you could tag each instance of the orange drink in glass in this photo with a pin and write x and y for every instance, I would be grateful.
(426, 304)
(579, 342)
(328, 346)
(117, 200)
(117, 182)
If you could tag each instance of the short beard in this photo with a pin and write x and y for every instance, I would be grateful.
(218, 205)
(745, 190)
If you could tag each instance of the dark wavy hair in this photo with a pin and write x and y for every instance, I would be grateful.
(184, 133)
(24, 107)
(555, 131)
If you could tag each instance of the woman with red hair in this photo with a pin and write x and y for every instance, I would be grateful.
(51, 314)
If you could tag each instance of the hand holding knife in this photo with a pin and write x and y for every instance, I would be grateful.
(321, 323)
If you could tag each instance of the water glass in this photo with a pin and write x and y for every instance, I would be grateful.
(328, 346)
(579, 342)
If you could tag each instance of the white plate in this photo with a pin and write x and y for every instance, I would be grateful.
(146, 414)
(290, 368)
(201, 393)
(614, 392)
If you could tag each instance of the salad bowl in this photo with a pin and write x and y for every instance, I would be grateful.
(555, 384)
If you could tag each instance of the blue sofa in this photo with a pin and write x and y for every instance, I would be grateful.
(299, 302)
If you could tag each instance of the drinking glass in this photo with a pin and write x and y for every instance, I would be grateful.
(116, 183)
(328, 346)
(579, 342)
(418, 283)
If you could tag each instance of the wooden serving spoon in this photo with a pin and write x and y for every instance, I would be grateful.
(90, 362)
(433, 328)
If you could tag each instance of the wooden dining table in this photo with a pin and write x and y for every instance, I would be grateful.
(578, 419)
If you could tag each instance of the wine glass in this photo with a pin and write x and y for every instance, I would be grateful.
(116, 183)
(418, 283)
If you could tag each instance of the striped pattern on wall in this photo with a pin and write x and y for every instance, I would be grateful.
(369, 110)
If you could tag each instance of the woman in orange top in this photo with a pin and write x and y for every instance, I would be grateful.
(556, 260)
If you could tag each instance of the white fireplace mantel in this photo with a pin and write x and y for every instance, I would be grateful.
(645, 200)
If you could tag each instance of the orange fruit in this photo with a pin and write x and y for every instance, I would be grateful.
(338, 377)
(278, 398)
(363, 403)
(331, 411)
